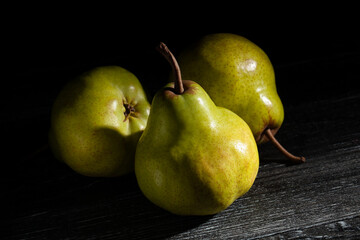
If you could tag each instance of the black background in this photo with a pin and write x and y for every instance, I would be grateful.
(315, 54)
(45, 51)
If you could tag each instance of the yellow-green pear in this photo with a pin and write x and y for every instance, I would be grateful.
(96, 121)
(237, 75)
(194, 158)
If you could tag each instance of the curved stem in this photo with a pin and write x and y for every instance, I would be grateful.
(293, 158)
(164, 50)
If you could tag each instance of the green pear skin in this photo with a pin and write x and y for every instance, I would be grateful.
(194, 158)
(96, 121)
(237, 75)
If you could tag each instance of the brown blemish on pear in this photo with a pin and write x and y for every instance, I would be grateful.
(268, 124)
(170, 91)
(129, 110)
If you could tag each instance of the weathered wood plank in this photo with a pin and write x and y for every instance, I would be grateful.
(348, 228)
(318, 199)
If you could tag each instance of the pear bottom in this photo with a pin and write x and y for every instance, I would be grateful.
(194, 170)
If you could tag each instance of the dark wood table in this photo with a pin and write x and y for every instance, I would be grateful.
(320, 199)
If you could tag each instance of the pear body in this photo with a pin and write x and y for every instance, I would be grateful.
(96, 121)
(237, 75)
(194, 158)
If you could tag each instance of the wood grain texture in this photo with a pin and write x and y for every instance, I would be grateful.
(43, 199)
(316, 200)
(316, 57)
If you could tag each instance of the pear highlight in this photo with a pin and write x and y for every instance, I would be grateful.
(239, 76)
(96, 121)
(193, 158)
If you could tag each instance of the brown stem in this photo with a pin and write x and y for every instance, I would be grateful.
(164, 50)
(293, 158)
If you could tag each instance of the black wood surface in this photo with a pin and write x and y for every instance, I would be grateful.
(320, 199)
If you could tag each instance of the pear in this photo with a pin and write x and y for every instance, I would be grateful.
(96, 121)
(238, 75)
(194, 158)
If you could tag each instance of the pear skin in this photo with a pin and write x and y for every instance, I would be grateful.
(97, 120)
(237, 75)
(194, 158)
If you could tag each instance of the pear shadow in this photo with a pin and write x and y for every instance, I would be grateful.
(113, 140)
(269, 154)
(144, 220)
(47, 192)
(116, 206)
(279, 160)
(127, 203)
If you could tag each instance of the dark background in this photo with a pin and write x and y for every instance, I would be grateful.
(45, 52)
(315, 54)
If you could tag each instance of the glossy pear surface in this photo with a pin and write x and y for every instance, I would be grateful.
(97, 120)
(194, 158)
(237, 75)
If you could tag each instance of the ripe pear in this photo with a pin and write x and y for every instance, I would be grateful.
(96, 121)
(194, 158)
(238, 75)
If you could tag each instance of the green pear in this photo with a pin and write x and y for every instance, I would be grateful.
(237, 75)
(96, 121)
(194, 158)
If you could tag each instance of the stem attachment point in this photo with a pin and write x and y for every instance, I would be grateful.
(164, 50)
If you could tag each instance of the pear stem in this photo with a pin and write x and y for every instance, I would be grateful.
(164, 50)
(293, 158)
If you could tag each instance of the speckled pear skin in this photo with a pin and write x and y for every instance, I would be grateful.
(88, 127)
(194, 158)
(237, 75)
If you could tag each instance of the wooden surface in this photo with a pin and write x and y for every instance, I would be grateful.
(320, 199)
